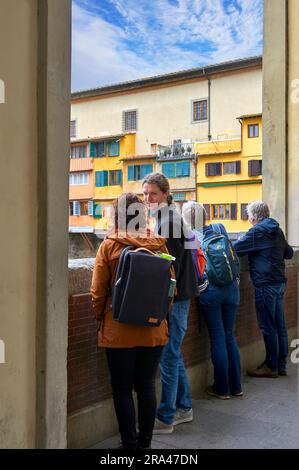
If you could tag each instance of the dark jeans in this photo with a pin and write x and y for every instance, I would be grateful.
(270, 317)
(134, 368)
(219, 306)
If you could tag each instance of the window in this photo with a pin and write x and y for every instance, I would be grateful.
(101, 178)
(115, 177)
(130, 120)
(81, 208)
(113, 148)
(244, 215)
(253, 130)
(213, 169)
(78, 179)
(254, 167)
(224, 211)
(73, 128)
(176, 170)
(98, 149)
(78, 151)
(84, 207)
(231, 168)
(179, 196)
(199, 110)
(138, 172)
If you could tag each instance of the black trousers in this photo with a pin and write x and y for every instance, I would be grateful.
(134, 368)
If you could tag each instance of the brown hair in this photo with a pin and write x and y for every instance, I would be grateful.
(123, 215)
(161, 181)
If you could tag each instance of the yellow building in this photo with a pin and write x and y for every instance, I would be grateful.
(229, 174)
(108, 154)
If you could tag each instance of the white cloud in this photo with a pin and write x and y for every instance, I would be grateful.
(159, 37)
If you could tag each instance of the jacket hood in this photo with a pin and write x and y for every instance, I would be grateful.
(268, 226)
(146, 239)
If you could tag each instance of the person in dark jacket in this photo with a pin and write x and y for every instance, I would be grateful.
(176, 402)
(266, 247)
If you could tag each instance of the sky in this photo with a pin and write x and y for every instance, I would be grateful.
(115, 41)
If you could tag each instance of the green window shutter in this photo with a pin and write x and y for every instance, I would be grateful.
(104, 178)
(145, 170)
(97, 178)
(92, 152)
(183, 169)
(131, 173)
(113, 149)
(97, 210)
(168, 169)
(119, 177)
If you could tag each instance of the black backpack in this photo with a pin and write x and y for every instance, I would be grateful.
(142, 292)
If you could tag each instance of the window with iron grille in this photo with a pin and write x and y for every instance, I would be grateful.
(78, 151)
(73, 128)
(130, 120)
(253, 130)
(199, 110)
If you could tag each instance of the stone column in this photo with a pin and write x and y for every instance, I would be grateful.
(281, 114)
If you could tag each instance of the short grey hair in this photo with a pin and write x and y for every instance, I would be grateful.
(194, 215)
(258, 210)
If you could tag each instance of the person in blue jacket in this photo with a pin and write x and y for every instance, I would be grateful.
(267, 248)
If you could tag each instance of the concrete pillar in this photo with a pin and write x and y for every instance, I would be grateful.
(275, 109)
(54, 56)
(281, 114)
(34, 149)
(293, 123)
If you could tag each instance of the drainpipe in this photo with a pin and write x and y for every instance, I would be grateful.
(209, 109)
(195, 178)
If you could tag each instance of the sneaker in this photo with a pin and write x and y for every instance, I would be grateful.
(262, 371)
(237, 394)
(211, 392)
(162, 428)
(183, 416)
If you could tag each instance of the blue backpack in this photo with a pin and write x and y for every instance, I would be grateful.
(222, 262)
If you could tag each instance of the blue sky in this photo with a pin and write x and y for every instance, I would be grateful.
(120, 40)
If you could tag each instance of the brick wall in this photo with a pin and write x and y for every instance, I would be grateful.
(88, 377)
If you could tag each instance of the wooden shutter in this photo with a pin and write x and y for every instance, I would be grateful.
(233, 211)
(207, 209)
(238, 167)
(244, 215)
(210, 169)
(218, 169)
(254, 167)
(92, 149)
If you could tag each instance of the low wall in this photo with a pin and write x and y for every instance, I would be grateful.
(90, 408)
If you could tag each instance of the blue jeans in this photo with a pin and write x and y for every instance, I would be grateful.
(219, 306)
(175, 388)
(270, 317)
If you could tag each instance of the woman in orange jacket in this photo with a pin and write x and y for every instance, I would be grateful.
(133, 352)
